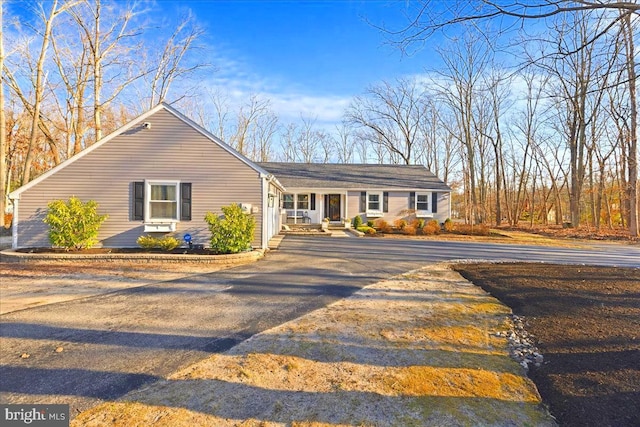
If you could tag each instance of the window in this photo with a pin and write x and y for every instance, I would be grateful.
(303, 201)
(374, 202)
(163, 201)
(422, 202)
(287, 201)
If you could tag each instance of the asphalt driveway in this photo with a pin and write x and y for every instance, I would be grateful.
(111, 344)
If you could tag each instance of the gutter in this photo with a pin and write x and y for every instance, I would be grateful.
(15, 221)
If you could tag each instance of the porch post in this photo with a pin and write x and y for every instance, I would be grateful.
(346, 204)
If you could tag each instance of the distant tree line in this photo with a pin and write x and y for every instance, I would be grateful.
(550, 140)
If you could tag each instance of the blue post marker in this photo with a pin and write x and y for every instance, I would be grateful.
(187, 238)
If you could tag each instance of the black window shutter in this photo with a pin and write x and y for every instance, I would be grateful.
(138, 201)
(385, 202)
(412, 200)
(363, 201)
(434, 202)
(313, 201)
(185, 201)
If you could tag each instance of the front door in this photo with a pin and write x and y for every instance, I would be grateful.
(332, 206)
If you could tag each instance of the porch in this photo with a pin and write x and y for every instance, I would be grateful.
(310, 208)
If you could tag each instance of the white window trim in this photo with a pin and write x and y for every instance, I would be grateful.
(375, 212)
(147, 203)
(424, 213)
(293, 200)
(308, 208)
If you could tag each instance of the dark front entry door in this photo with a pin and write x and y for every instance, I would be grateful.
(332, 207)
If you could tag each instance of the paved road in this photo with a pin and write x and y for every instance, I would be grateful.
(119, 342)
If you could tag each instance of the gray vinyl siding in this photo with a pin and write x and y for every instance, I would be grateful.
(170, 150)
(399, 206)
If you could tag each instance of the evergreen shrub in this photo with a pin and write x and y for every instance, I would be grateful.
(73, 224)
(231, 232)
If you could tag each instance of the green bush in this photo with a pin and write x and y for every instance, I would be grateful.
(165, 243)
(417, 223)
(357, 221)
(366, 229)
(370, 223)
(168, 243)
(147, 242)
(232, 232)
(73, 224)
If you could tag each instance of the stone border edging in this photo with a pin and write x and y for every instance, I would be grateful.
(355, 232)
(11, 255)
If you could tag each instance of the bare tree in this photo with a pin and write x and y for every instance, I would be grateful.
(262, 135)
(327, 146)
(426, 17)
(170, 65)
(289, 143)
(390, 115)
(71, 61)
(344, 144)
(308, 140)
(38, 82)
(630, 52)
(108, 49)
(220, 124)
(458, 85)
(246, 119)
(3, 129)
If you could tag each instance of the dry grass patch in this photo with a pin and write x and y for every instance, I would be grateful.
(419, 349)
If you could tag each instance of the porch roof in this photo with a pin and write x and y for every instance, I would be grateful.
(354, 176)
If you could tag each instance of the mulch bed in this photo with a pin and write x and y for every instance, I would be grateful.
(93, 251)
(582, 232)
(587, 324)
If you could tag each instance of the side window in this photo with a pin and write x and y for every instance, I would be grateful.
(287, 201)
(422, 202)
(374, 202)
(163, 201)
(303, 201)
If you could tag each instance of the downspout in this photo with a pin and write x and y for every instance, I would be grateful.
(14, 225)
(264, 244)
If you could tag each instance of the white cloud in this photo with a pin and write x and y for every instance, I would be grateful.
(289, 100)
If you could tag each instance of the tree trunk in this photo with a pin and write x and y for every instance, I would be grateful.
(38, 94)
(3, 130)
(632, 192)
(97, 76)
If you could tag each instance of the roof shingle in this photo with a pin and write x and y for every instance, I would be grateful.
(354, 176)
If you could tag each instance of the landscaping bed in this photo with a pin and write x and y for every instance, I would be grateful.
(94, 251)
(586, 323)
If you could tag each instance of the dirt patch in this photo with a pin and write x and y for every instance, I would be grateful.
(423, 348)
(586, 321)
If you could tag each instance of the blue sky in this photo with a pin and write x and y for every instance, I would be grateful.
(311, 56)
(308, 57)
